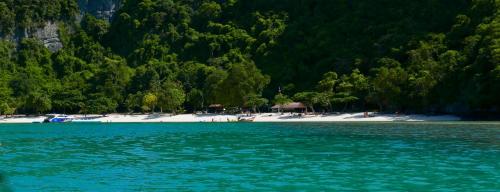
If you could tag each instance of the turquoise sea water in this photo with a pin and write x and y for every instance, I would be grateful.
(250, 157)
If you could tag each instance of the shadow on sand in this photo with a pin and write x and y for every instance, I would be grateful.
(153, 116)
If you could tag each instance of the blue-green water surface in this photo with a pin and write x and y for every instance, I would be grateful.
(250, 157)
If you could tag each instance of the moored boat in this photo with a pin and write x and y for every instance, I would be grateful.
(56, 118)
(246, 119)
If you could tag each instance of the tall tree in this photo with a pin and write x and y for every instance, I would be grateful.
(308, 98)
(149, 102)
(171, 97)
(255, 102)
(243, 79)
(388, 85)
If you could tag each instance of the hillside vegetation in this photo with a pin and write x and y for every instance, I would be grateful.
(182, 55)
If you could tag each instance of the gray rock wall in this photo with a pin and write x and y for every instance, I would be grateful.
(102, 9)
(49, 33)
(49, 36)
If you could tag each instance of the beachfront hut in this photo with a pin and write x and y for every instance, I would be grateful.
(215, 108)
(291, 107)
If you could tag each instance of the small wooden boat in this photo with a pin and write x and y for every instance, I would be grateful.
(246, 119)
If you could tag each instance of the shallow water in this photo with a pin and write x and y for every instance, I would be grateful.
(253, 156)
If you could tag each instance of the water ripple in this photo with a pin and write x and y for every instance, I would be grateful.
(257, 157)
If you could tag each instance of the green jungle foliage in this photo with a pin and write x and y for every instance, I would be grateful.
(183, 55)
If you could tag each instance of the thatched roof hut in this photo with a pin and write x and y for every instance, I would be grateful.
(295, 106)
(215, 108)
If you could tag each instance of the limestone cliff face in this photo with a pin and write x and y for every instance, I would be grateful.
(49, 36)
(102, 9)
(49, 33)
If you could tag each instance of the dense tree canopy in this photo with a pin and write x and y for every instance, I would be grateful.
(175, 55)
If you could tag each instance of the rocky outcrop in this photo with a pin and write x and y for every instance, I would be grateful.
(102, 9)
(49, 33)
(49, 36)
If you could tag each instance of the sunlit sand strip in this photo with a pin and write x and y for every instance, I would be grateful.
(265, 117)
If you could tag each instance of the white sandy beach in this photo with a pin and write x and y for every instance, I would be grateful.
(265, 117)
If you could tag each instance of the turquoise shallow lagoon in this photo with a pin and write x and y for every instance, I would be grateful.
(250, 157)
